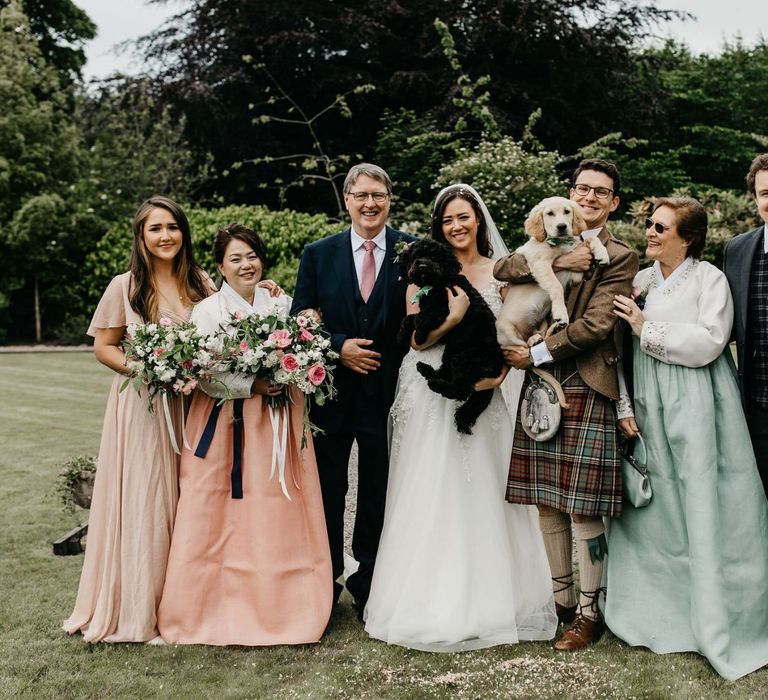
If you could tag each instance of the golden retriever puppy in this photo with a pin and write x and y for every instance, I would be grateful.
(554, 226)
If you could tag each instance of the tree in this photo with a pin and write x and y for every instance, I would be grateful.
(61, 29)
(135, 147)
(572, 58)
(38, 152)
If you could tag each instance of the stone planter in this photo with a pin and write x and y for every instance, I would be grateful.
(82, 489)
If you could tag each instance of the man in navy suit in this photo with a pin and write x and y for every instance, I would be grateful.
(352, 279)
(746, 267)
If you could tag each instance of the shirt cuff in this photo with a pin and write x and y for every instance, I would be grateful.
(541, 355)
(624, 407)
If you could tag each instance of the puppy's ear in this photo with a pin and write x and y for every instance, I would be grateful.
(534, 224)
(579, 225)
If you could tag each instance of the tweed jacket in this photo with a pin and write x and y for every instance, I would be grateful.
(590, 337)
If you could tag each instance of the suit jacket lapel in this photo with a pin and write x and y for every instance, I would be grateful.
(344, 267)
(750, 249)
(575, 292)
(390, 271)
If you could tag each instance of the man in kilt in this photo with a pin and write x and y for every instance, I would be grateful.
(574, 478)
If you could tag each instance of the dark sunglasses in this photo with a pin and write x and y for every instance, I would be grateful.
(656, 225)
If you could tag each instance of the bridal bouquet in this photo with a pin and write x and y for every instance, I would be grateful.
(169, 358)
(282, 349)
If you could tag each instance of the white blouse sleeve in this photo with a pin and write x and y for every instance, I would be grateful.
(223, 385)
(624, 404)
(697, 343)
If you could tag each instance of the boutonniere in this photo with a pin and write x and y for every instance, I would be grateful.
(400, 247)
(421, 293)
(639, 296)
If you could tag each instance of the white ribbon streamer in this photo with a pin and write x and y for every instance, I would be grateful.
(279, 445)
(184, 432)
(169, 423)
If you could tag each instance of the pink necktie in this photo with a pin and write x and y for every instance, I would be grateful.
(369, 271)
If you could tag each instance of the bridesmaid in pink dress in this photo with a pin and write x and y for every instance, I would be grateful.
(247, 565)
(135, 493)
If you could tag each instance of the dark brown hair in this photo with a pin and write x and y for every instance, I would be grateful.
(601, 166)
(191, 281)
(758, 164)
(691, 220)
(224, 236)
(459, 192)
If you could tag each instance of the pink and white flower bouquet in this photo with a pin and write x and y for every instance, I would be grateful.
(169, 358)
(284, 350)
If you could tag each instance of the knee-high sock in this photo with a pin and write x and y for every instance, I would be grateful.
(556, 530)
(590, 572)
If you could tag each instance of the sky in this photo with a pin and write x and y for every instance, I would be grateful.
(121, 20)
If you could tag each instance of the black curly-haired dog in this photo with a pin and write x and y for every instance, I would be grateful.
(471, 351)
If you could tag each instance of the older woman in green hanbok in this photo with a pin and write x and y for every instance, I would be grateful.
(689, 572)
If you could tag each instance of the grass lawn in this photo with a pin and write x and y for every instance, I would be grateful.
(51, 409)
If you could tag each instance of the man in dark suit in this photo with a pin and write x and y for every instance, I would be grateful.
(746, 267)
(352, 279)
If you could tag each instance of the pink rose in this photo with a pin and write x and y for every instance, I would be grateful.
(166, 322)
(239, 315)
(244, 345)
(316, 374)
(306, 335)
(302, 321)
(189, 386)
(281, 338)
(187, 364)
(159, 352)
(289, 362)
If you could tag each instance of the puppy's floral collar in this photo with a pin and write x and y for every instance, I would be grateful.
(554, 242)
(421, 293)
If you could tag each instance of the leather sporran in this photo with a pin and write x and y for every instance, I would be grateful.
(540, 411)
(634, 471)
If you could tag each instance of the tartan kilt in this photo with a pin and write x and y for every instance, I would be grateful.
(578, 470)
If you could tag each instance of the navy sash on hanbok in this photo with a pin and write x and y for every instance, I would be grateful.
(237, 447)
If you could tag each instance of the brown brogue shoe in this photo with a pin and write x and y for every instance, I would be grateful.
(584, 632)
(565, 614)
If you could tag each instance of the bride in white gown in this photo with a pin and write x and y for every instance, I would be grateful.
(458, 567)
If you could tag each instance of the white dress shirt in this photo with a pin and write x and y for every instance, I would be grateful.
(358, 252)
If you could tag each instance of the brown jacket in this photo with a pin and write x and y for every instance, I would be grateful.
(590, 336)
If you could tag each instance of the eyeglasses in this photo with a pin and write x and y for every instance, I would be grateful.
(656, 226)
(363, 196)
(600, 192)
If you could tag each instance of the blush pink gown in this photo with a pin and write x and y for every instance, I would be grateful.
(133, 507)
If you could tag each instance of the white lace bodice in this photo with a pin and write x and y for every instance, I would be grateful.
(492, 295)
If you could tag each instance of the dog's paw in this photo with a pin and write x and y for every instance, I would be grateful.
(555, 328)
(535, 340)
(602, 259)
(560, 315)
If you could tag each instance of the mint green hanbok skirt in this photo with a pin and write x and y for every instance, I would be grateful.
(689, 572)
